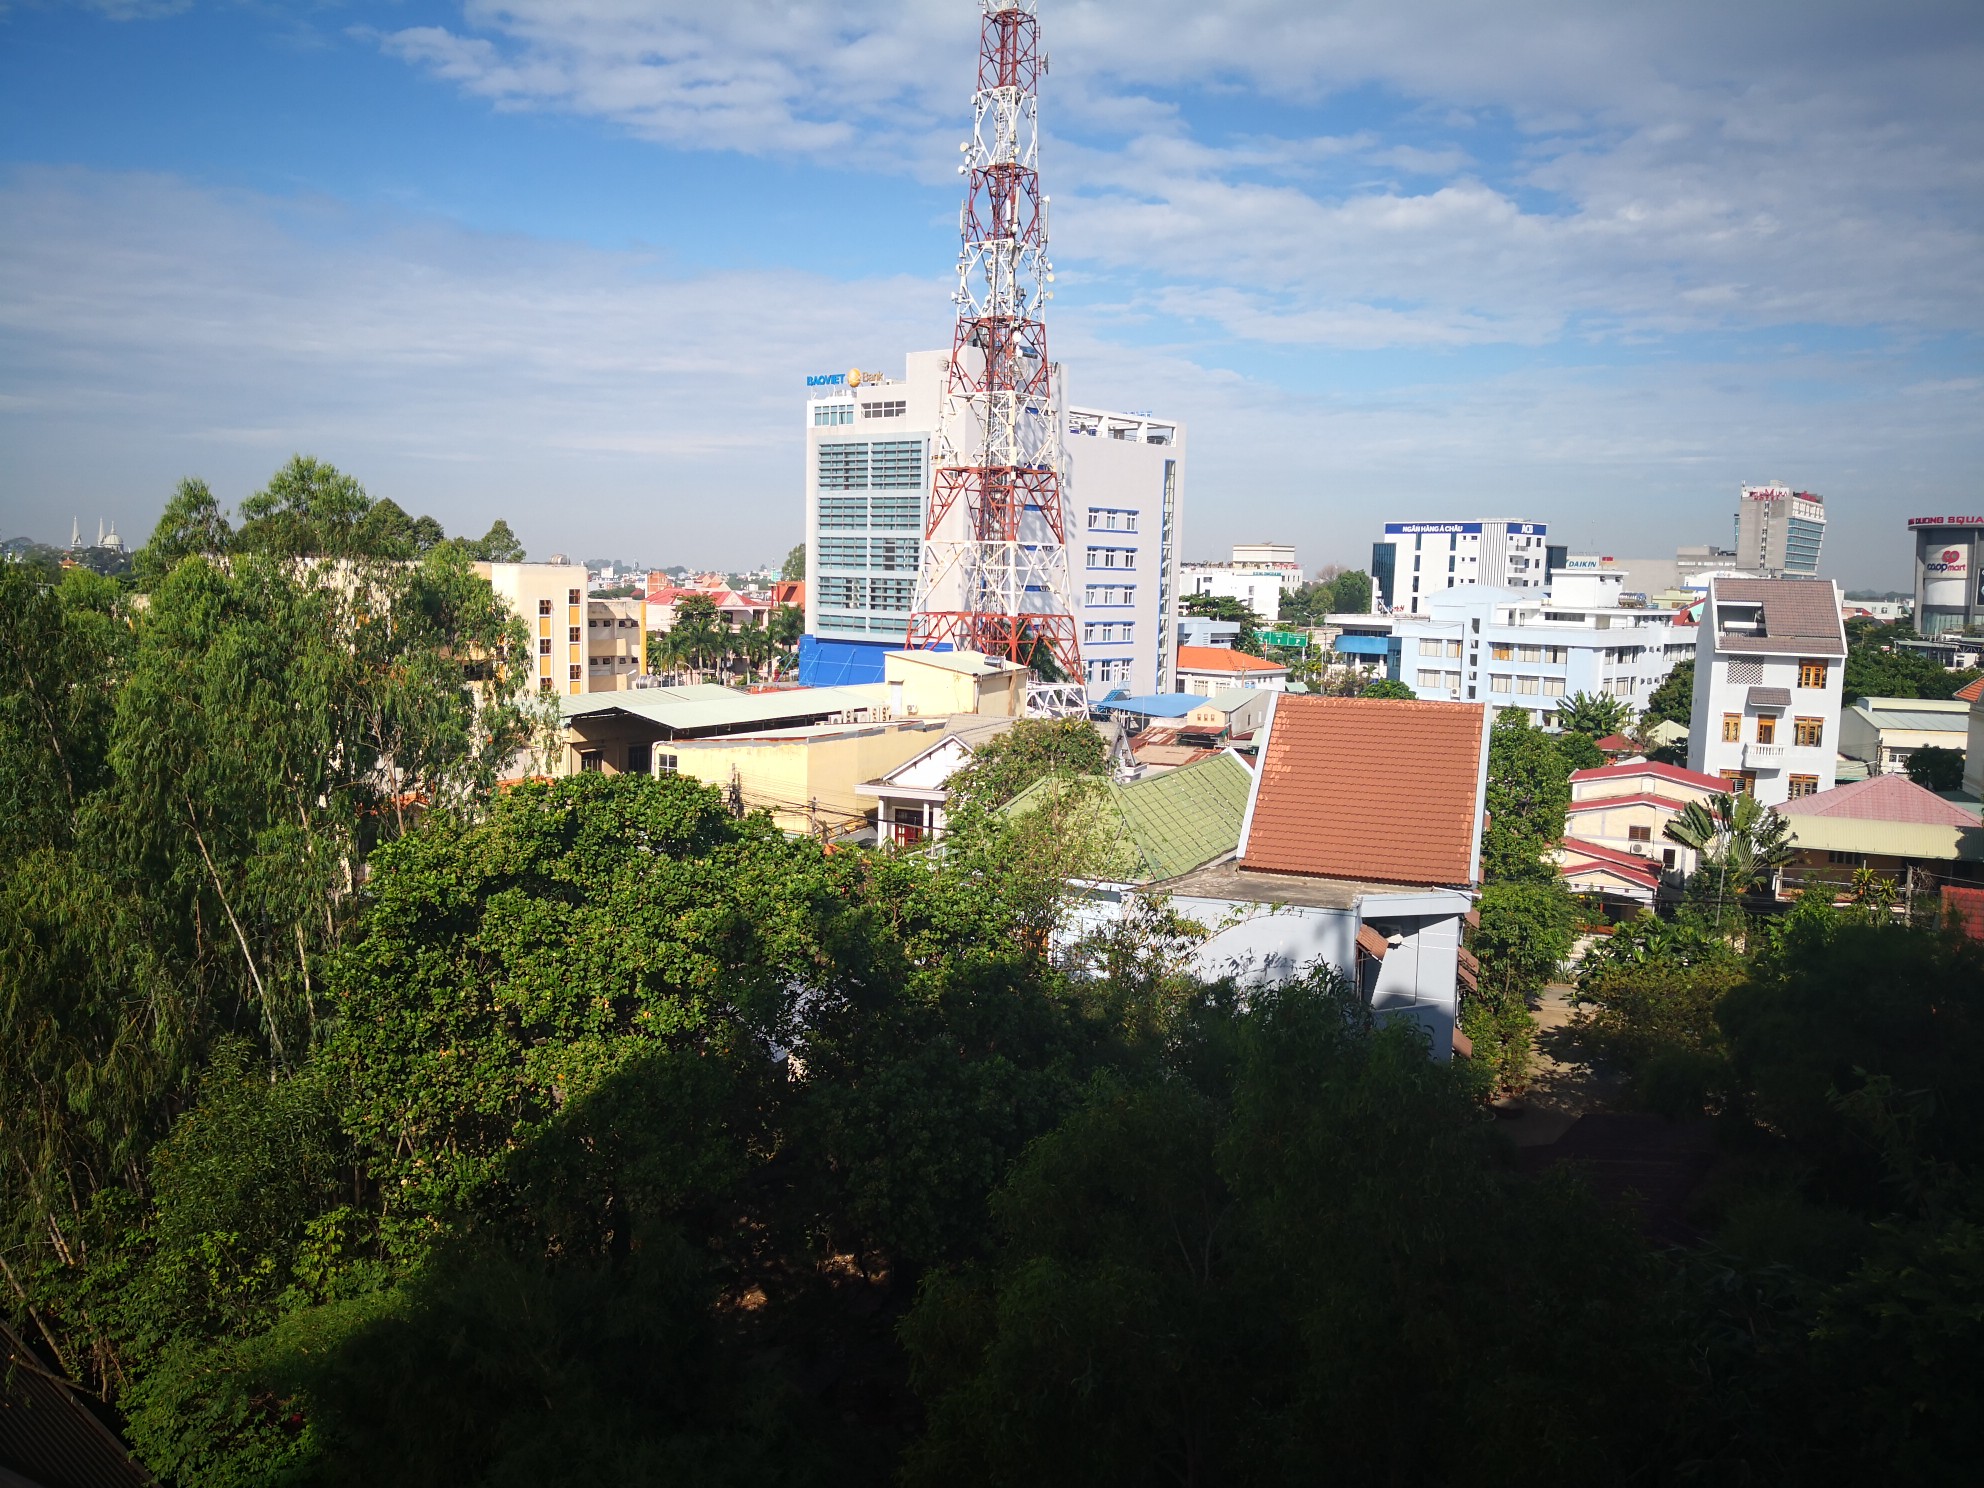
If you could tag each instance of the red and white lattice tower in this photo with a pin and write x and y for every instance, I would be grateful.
(994, 575)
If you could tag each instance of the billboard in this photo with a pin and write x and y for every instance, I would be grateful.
(1946, 569)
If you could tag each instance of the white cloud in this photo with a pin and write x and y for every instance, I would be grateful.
(1687, 167)
(151, 329)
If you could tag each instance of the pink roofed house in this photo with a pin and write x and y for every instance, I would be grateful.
(1889, 824)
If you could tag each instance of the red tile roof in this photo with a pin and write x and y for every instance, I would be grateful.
(1971, 691)
(1220, 659)
(1634, 798)
(1379, 789)
(1672, 773)
(1963, 909)
(1882, 798)
(1617, 744)
(1582, 854)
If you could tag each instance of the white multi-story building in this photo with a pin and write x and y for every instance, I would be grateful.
(869, 442)
(1768, 669)
(1779, 530)
(1414, 561)
(1258, 575)
(1517, 650)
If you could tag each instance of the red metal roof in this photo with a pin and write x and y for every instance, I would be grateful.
(1882, 798)
(1584, 854)
(1380, 789)
(1634, 798)
(1220, 659)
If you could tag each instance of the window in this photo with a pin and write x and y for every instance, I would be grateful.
(1808, 733)
(572, 635)
(891, 594)
(1453, 681)
(1499, 681)
(1529, 653)
(1110, 669)
(544, 607)
(1803, 785)
(1732, 727)
(1428, 682)
(1766, 729)
(1529, 685)
(843, 467)
(664, 764)
(1811, 674)
(1639, 834)
(843, 593)
(1740, 782)
(1558, 655)
(574, 672)
(1102, 632)
(1453, 648)
(1667, 857)
(1430, 648)
(885, 408)
(544, 646)
(640, 759)
(895, 464)
(544, 684)
(825, 415)
(843, 552)
(572, 596)
(1112, 557)
(590, 761)
(1843, 859)
(1553, 686)
(1501, 651)
(1110, 594)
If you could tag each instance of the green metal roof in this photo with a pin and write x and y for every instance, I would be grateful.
(1167, 824)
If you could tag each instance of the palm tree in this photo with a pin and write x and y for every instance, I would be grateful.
(1737, 838)
(783, 629)
(756, 648)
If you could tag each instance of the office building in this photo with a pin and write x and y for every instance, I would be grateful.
(1414, 561)
(1949, 573)
(1530, 651)
(869, 443)
(1779, 531)
(1769, 659)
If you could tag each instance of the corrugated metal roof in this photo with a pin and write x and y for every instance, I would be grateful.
(1919, 715)
(1167, 824)
(1882, 798)
(692, 709)
(47, 1436)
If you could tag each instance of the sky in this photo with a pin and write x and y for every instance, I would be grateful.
(569, 262)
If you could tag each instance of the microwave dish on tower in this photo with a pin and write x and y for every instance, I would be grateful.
(994, 575)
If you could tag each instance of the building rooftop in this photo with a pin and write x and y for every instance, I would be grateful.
(1154, 705)
(1971, 691)
(1882, 798)
(966, 663)
(1220, 659)
(1798, 616)
(708, 709)
(1228, 879)
(1672, 773)
(1922, 715)
(1167, 824)
(1376, 789)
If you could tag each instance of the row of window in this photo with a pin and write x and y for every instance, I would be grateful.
(1505, 651)
(890, 408)
(887, 513)
(1432, 681)
(641, 760)
(1100, 632)
(1530, 686)
(828, 415)
(1111, 519)
(890, 554)
(1744, 783)
(572, 596)
(1110, 594)
(878, 465)
(1806, 733)
(842, 592)
(613, 622)
(1109, 669)
(1112, 557)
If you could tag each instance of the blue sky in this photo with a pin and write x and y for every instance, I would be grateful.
(569, 261)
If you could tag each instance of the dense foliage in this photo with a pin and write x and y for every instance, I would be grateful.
(1936, 769)
(1876, 666)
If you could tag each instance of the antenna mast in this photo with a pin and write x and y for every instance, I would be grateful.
(994, 575)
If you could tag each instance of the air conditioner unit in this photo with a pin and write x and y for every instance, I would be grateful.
(1637, 848)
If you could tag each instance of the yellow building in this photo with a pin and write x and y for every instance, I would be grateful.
(579, 645)
(616, 643)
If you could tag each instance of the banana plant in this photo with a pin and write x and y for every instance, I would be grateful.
(1737, 838)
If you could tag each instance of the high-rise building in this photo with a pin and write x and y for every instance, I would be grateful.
(1949, 572)
(868, 474)
(1779, 531)
(1415, 560)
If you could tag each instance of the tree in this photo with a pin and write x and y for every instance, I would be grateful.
(784, 627)
(1526, 930)
(1032, 749)
(1673, 701)
(1740, 844)
(1593, 714)
(1877, 667)
(794, 567)
(498, 545)
(1385, 687)
(1225, 607)
(1936, 769)
(1529, 789)
(191, 523)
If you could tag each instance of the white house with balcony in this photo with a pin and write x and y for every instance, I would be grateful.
(1516, 649)
(1769, 660)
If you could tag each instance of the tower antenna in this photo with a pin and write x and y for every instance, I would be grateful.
(994, 575)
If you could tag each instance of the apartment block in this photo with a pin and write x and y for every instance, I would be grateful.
(1769, 660)
(551, 598)
(1414, 561)
(1779, 531)
(1516, 650)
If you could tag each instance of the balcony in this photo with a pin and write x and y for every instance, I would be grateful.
(1763, 756)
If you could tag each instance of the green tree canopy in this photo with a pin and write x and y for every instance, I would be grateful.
(1529, 788)
(1936, 769)
(794, 567)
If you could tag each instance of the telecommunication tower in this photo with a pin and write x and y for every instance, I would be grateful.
(994, 575)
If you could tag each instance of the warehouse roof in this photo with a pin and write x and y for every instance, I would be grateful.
(1917, 715)
(706, 709)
